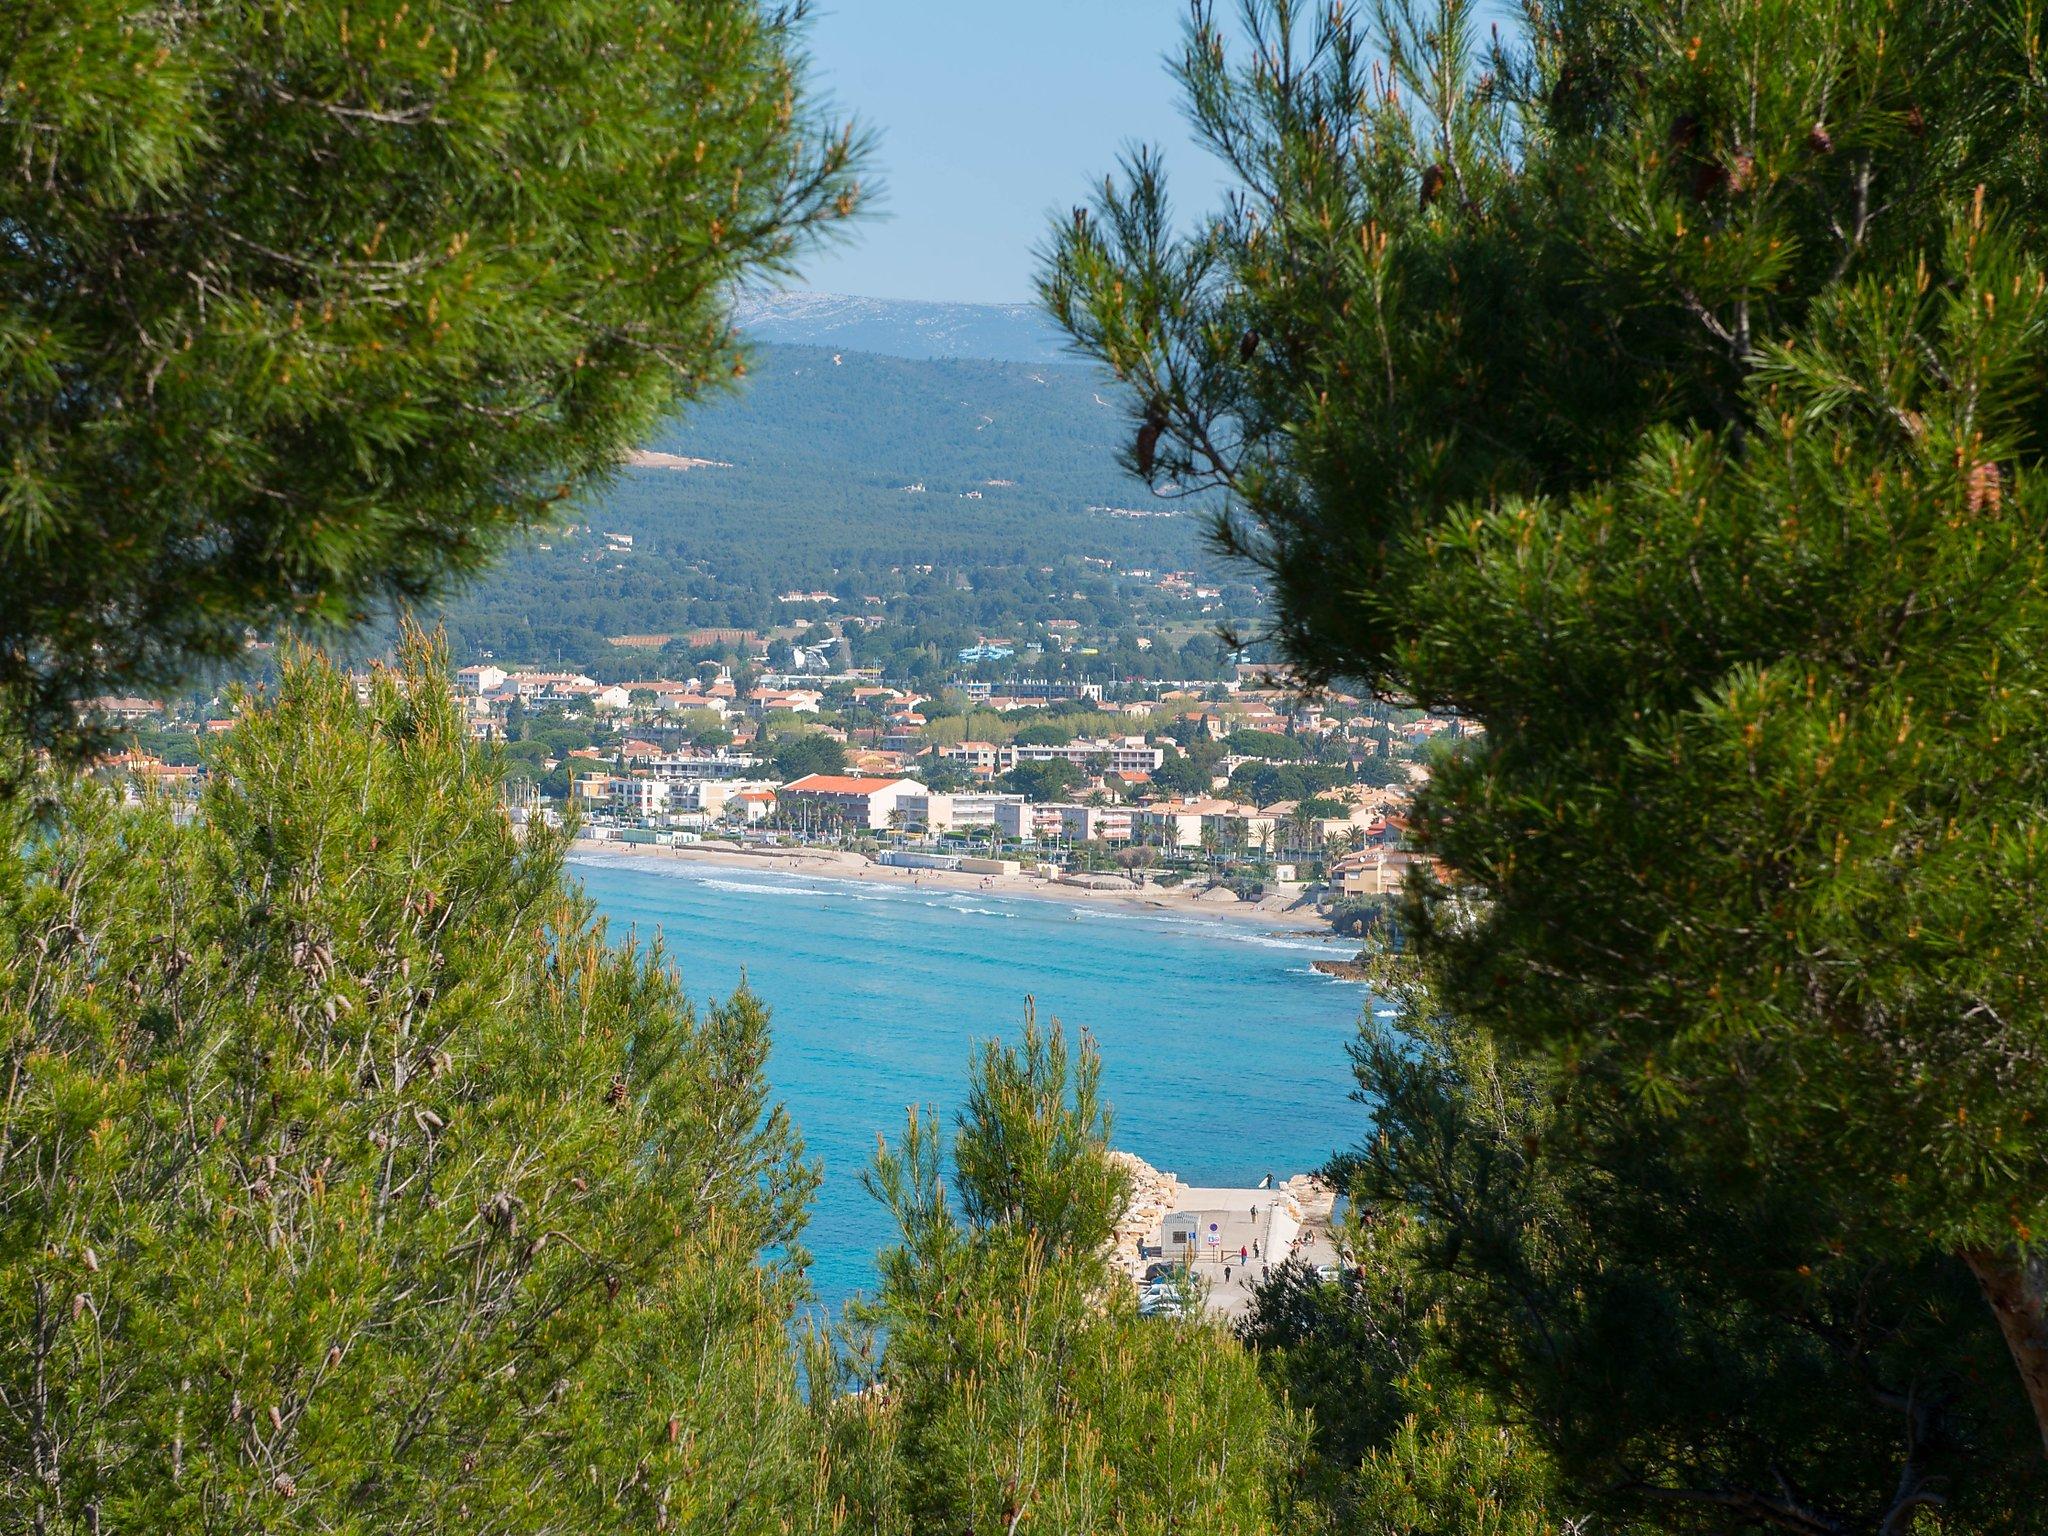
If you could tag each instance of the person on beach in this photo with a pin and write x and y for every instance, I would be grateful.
(1255, 1248)
(1243, 1253)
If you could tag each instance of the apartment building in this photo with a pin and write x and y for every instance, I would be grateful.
(635, 797)
(850, 801)
(1120, 754)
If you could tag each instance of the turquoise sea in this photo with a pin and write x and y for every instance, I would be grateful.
(1223, 1052)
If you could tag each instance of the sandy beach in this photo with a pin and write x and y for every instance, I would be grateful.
(1273, 912)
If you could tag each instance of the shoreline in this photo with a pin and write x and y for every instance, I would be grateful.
(1271, 913)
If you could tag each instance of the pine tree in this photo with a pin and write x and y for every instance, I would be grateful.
(307, 307)
(350, 1178)
(1663, 394)
(1011, 1386)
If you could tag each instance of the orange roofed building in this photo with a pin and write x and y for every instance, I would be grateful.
(855, 802)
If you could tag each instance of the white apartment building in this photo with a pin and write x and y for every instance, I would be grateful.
(1095, 823)
(691, 766)
(1122, 754)
(1022, 819)
(637, 797)
(1071, 823)
(977, 757)
(482, 678)
(1172, 823)
(854, 802)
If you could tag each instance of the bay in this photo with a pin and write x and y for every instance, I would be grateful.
(1223, 1051)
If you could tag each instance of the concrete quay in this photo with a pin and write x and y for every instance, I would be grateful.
(1229, 1238)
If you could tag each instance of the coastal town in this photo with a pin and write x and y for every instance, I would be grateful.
(1243, 793)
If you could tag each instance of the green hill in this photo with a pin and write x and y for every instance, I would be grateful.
(850, 473)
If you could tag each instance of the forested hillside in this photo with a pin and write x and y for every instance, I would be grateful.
(958, 493)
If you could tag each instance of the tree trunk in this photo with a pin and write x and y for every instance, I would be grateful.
(2017, 1289)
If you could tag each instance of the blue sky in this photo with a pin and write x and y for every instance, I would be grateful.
(991, 115)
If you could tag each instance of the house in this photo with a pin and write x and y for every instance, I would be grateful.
(481, 679)
(850, 801)
(801, 701)
(752, 805)
(127, 710)
(1380, 871)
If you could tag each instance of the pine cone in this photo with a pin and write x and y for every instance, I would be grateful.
(1433, 179)
(1820, 141)
(1148, 441)
(615, 1095)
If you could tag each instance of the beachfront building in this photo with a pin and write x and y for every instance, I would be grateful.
(1067, 822)
(1028, 821)
(636, 798)
(1173, 823)
(976, 810)
(1379, 871)
(1095, 823)
(829, 798)
(925, 811)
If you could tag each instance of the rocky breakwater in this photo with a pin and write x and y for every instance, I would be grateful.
(1154, 1196)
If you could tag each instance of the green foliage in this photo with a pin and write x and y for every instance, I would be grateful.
(1043, 781)
(797, 756)
(351, 1179)
(943, 776)
(1265, 783)
(1184, 775)
(1267, 744)
(1015, 1387)
(1666, 397)
(810, 488)
(323, 304)
(1044, 733)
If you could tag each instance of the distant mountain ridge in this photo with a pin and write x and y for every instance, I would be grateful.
(1007, 333)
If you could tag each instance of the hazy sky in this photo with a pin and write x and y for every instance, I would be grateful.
(992, 114)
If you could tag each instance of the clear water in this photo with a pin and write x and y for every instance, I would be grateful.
(1223, 1051)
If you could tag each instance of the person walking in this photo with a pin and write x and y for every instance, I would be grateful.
(1255, 1248)
(1243, 1253)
